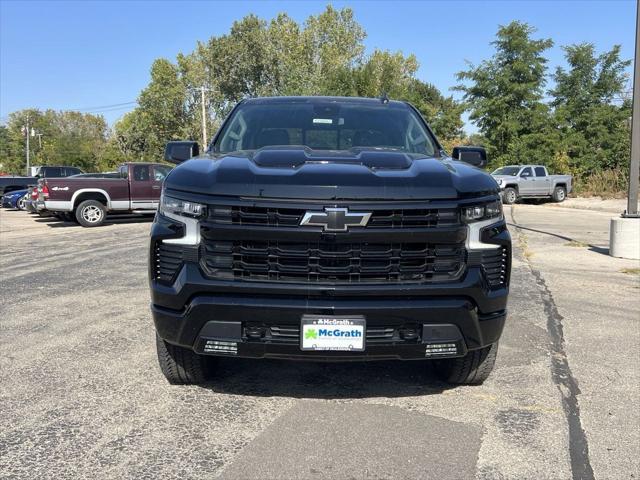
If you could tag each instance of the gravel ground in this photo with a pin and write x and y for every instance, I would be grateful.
(82, 395)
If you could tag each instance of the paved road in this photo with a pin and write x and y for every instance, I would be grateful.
(81, 395)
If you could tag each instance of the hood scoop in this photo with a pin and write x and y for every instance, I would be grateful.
(293, 157)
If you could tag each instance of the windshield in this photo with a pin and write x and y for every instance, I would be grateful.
(513, 171)
(325, 126)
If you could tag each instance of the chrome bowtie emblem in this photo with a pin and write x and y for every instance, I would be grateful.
(335, 219)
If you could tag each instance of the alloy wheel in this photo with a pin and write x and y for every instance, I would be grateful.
(92, 214)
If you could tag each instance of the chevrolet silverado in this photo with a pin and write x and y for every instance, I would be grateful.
(328, 229)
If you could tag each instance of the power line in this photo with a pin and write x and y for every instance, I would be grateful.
(114, 107)
(103, 107)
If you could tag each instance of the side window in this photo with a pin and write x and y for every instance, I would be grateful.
(234, 140)
(160, 172)
(123, 171)
(540, 172)
(72, 171)
(416, 141)
(526, 172)
(141, 173)
(52, 172)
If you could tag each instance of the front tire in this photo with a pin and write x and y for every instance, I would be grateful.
(509, 196)
(472, 369)
(179, 365)
(559, 194)
(91, 213)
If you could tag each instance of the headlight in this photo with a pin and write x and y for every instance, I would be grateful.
(478, 213)
(175, 206)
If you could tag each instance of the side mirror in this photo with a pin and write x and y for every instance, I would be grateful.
(476, 156)
(178, 152)
(525, 174)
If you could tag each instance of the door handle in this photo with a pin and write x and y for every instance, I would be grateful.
(156, 187)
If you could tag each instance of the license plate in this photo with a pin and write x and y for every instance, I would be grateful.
(341, 333)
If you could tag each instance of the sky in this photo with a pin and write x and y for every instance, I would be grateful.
(94, 56)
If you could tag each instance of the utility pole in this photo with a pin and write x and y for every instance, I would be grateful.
(634, 165)
(27, 132)
(204, 119)
(624, 232)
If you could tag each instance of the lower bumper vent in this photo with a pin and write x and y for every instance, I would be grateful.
(494, 265)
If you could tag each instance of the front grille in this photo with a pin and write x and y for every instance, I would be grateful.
(291, 217)
(167, 261)
(318, 262)
(290, 334)
(494, 265)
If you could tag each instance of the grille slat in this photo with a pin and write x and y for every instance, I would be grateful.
(326, 261)
(318, 262)
(291, 217)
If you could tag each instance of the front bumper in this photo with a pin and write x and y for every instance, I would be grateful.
(250, 323)
(8, 202)
(186, 313)
(249, 317)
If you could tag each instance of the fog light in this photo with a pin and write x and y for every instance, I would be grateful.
(220, 347)
(439, 349)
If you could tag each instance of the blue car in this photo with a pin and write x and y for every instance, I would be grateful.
(14, 199)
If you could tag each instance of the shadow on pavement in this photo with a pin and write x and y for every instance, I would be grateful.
(314, 380)
(55, 222)
(593, 248)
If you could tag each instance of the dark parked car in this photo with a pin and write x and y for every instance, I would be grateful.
(12, 183)
(329, 229)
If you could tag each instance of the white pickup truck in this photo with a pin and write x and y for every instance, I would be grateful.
(531, 181)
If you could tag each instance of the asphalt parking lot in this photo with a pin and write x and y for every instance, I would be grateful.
(81, 394)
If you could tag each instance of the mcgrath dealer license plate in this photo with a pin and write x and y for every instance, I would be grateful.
(320, 332)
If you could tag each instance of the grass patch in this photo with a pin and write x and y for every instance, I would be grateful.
(631, 271)
(605, 183)
(576, 243)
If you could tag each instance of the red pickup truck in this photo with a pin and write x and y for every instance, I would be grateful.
(136, 190)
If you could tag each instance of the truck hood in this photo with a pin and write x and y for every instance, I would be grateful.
(302, 173)
(505, 178)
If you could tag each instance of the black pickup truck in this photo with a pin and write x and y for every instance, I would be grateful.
(329, 229)
(12, 183)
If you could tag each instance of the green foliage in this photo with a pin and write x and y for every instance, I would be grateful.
(67, 138)
(323, 56)
(504, 96)
(582, 130)
(593, 129)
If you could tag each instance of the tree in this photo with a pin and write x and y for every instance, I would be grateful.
(323, 56)
(442, 113)
(162, 108)
(504, 95)
(593, 128)
(68, 138)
